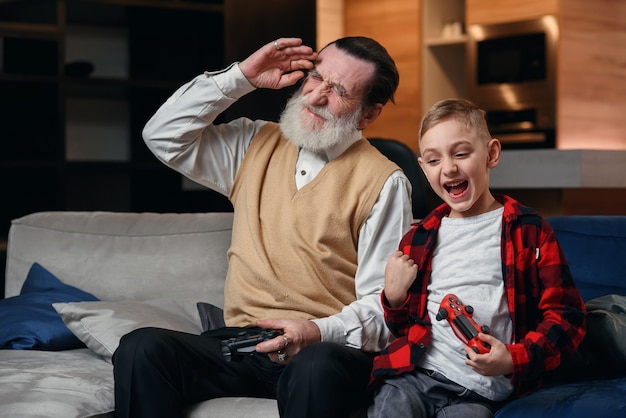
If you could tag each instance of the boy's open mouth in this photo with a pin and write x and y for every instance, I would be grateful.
(456, 188)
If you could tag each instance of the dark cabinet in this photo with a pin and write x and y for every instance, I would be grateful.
(79, 79)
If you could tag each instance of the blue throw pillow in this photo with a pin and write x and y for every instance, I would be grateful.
(29, 322)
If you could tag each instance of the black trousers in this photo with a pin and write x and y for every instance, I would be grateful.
(159, 372)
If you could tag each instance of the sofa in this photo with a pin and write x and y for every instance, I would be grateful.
(77, 281)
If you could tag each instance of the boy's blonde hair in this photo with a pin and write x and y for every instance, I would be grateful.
(463, 111)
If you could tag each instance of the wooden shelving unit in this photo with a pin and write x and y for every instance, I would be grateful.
(443, 53)
(71, 137)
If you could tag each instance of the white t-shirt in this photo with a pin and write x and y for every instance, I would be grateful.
(467, 263)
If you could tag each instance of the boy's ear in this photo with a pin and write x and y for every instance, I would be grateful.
(494, 147)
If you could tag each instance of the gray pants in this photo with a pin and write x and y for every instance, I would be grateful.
(425, 394)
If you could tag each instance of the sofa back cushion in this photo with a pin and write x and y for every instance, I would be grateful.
(595, 248)
(120, 256)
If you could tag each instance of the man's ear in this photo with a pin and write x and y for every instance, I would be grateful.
(369, 115)
(420, 161)
(494, 148)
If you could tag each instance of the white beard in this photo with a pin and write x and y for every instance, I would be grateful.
(308, 133)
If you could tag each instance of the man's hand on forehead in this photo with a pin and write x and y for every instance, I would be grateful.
(280, 63)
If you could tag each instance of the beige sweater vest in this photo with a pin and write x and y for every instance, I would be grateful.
(294, 252)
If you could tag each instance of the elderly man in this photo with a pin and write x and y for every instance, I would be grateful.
(317, 211)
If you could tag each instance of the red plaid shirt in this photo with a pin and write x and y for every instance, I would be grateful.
(547, 311)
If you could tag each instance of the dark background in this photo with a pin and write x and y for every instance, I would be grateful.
(169, 42)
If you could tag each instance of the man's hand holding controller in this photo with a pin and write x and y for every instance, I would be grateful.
(246, 342)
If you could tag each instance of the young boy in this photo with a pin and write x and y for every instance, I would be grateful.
(495, 255)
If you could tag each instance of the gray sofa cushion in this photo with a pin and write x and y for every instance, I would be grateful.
(101, 325)
(122, 256)
(46, 384)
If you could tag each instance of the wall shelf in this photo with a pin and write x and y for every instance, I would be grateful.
(29, 30)
(454, 41)
(443, 54)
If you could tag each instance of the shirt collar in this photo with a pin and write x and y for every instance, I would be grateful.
(336, 150)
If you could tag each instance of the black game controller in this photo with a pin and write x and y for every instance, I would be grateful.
(460, 319)
(245, 342)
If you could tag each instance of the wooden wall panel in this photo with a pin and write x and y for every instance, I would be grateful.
(490, 11)
(591, 85)
(395, 24)
(329, 21)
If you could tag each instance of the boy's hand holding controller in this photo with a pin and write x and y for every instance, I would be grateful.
(400, 273)
(497, 362)
(486, 355)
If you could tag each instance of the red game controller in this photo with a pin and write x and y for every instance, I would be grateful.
(460, 319)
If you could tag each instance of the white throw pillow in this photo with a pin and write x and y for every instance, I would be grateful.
(100, 325)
